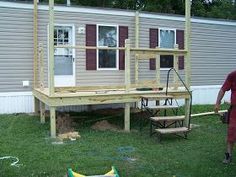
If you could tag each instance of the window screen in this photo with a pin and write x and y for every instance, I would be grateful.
(167, 40)
(107, 36)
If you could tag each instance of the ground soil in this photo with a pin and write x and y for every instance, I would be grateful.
(105, 125)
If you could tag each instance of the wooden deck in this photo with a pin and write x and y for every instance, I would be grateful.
(102, 96)
(94, 97)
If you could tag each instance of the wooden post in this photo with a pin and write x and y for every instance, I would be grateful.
(158, 73)
(51, 48)
(41, 66)
(36, 106)
(187, 42)
(137, 29)
(42, 112)
(176, 67)
(35, 42)
(187, 110)
(127, 65)
(53, 121)
(136, 68)
(127, 117)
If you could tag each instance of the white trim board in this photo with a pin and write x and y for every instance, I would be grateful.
(2, 94)
(113, 12)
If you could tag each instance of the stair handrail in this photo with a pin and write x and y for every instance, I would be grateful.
(189, 92)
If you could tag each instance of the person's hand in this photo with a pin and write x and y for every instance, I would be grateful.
(217, 107)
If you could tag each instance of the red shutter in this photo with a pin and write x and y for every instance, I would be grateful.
(123, 34)
(91, 58)
(180, 41)
(153, 39)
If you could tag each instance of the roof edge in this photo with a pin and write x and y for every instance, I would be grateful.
(6, 4)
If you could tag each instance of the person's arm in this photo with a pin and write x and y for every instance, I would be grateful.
(218, 100)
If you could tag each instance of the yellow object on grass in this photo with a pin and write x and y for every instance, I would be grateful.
(112, 173)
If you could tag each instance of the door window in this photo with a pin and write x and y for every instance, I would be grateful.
(63, 56)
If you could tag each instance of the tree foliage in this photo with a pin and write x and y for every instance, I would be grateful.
(225, 9)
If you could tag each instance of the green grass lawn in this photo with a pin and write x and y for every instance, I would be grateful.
(134, 154)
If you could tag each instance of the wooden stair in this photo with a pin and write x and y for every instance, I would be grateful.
(157, 97)
(164, 124)
(172, 130)
(168, 125)
(167, 118)
(163, 107)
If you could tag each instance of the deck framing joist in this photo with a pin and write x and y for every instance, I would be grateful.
(112, 97)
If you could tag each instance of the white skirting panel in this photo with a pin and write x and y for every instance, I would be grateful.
(23, 102)
(207, 94)
(16, 102)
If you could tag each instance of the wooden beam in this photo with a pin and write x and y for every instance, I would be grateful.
(158, 50)
(51, 48)
(208, 113)
(42, 112)
(89, 88)
(138, 50)
(42, 97)
(41, 66)
(187, 42)
(70, 99)
(36, 106)
(146, 55)
(137, 29)
(187, 111)
(136, 70)
(127, 117)
(35, 42)
(127, 65)
(176, 67)
(158, 73)
(53, 121)
(90, 47)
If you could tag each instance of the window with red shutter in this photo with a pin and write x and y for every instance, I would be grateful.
(107, 37)
(153, 39)
(180, 42)
(123, 34)
(91, 54)
(166, 38)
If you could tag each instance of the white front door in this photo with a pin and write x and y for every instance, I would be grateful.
(64, 57)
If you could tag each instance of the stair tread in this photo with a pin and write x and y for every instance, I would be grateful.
(162, 107)
(172, 130)
(156, 96)
(159, 118)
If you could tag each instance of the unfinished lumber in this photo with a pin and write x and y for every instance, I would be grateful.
(168, 118)
(53, 121)
(127, 117)
(42, 112)
(172, 130)
(51, 48)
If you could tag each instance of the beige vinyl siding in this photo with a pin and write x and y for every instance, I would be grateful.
(16, 49)
(213, 51)
(212, 48)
